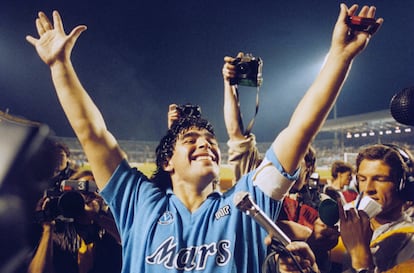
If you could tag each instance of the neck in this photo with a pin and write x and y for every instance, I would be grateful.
(192, 196)
(387, 217)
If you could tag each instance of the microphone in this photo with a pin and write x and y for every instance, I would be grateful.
(328, 212)
(244, 202)
(402, 106)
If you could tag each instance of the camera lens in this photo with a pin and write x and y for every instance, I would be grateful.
(243, 68)
(188, 111)
(71, 204)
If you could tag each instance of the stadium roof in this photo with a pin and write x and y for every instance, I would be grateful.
(372, 121)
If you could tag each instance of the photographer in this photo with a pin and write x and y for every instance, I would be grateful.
(76, 239)
(65, 167)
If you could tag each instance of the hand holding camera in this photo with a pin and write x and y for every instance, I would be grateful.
(248, 71)
(66, 202)
(358, 23)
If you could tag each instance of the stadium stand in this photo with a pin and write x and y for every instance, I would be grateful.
(339, 139)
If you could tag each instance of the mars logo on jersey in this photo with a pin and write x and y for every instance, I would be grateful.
(190, 258)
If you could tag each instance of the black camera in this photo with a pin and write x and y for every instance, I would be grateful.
(313, 182)
(189, 110)
(66, 202)
(248, 71)
(364, 24)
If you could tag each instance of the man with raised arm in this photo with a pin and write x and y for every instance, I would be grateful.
(176, 221)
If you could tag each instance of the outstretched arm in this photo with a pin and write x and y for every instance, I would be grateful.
(292, 143)
(231, 104)
(54, 47)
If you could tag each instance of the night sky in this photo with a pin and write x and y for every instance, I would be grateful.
(137, 57)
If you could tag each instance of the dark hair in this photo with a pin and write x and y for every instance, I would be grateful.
(390, 156)
(340, 166)
(310, 159)
(165, 148)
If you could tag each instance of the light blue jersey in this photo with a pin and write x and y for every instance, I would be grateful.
(159, 234)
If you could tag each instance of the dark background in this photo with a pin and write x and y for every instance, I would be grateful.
(137, 57)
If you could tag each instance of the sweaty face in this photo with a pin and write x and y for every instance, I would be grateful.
(195, 158)
(374, 179)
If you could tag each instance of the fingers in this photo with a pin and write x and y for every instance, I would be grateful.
(365, 10)
(57, 21)
(76, 32)
(287, 264)
(172, 107)
(343, 13)
(172, 115)
(353, 9)
(39, 27)
(31, 40)
(228, 68)
(44, 21)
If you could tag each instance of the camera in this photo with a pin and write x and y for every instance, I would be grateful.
(358, 23)
(248, 71)
(67, 201)
(189, 110)
(313, 182)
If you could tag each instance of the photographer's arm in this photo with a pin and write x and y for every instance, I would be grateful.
(231, 104)
(42, 261)
(54, 48)
(292, 143)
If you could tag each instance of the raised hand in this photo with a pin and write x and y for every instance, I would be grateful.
(53, 44)
(352, 42)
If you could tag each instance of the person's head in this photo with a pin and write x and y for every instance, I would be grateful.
(189, 150)
(63, 153)
(380, 173)
(307, 167)
(341, 173)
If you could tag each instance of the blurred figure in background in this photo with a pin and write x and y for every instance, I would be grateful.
(79, 233)
(342, 174)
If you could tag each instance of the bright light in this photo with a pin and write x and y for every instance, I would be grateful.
(388, 132)
(348, 135)
(372, 133)
(356, 135)
(407, 130)
(364, 134)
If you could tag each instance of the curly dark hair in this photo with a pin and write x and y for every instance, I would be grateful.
(165, 148)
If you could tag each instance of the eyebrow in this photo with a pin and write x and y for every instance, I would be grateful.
(197, 134)
(376, 177)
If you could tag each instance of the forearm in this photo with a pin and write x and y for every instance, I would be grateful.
(43, 258)
(312, 111)
(81, 111)
(321, 96)
(232, 112)
(99, 145)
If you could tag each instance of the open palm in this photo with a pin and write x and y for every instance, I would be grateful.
(53, 43)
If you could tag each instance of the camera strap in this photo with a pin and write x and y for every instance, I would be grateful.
(251, 123)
